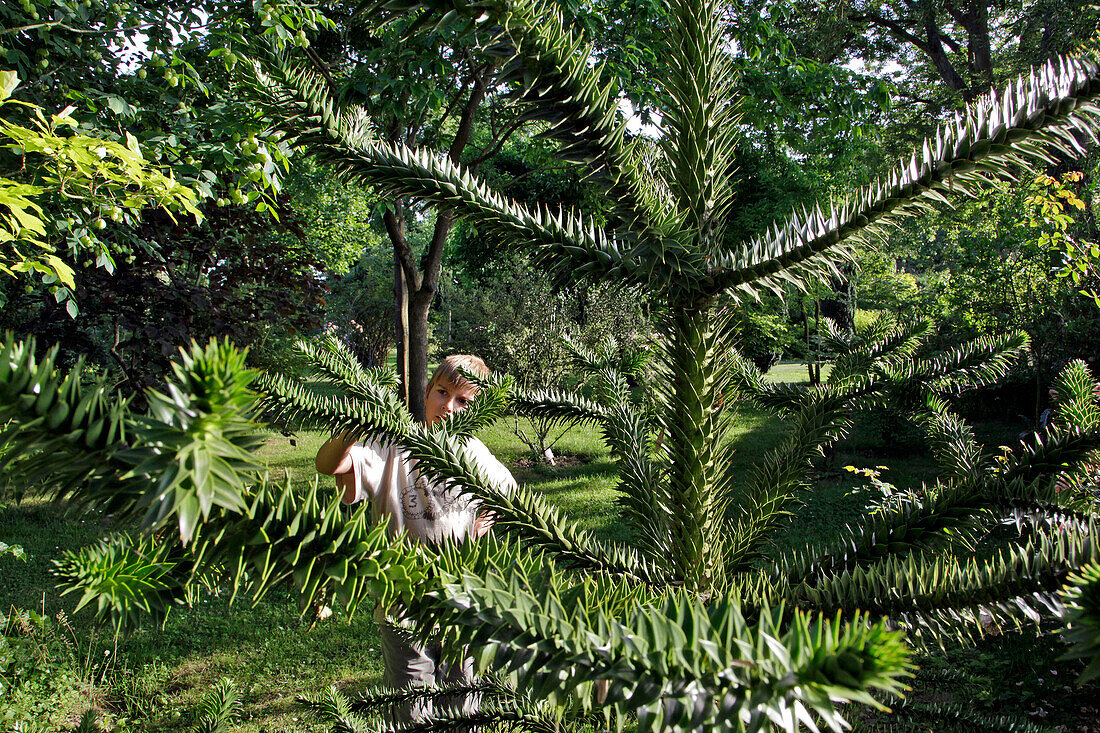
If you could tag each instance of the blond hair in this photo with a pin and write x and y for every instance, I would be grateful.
(449, 369)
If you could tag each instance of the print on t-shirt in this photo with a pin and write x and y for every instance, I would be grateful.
(423, 501)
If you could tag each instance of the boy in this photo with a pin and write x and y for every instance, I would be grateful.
(428, 513)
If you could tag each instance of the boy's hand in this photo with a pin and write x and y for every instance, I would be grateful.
(482, 524)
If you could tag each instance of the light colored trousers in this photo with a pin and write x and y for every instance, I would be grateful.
(411, 663)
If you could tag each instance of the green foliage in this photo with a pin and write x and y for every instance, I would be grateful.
(982, 270)
(196, 439)
(519, 323)
(704, 624)
(1076, 412)
(333, 220)
(230, 277)
(1082, 599)
(219, 708)
(903, 548)
(88, 723)
(498, 702)
(128, 578)
(110, 181)
(762, 336)
(515, 594)
(145, 68)
(960, 717)
(138, 76)
(360, 306)
(1075, 397)
(1051, 213)
(944, 54)
(14, 550)
(203, 436)
(882, 285)
(46, 669)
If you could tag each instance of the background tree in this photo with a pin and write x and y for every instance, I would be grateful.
(155, 78)
(937, 55)
(231, 277)
(521, 324)
(952, 41)
(433, 89)
(98, 179)
(982, 270)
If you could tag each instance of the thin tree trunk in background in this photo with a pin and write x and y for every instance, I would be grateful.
(817, 329)
(809, 345)
(394, 219)
(401, 327)
(420, 302)
(1038, 358)
(813, 362)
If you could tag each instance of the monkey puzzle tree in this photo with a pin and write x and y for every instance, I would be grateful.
(702, 622)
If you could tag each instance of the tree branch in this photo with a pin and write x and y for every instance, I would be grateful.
(321, 68)
(489, 152)
(466, 121)
(394, 219)
(891, 25)
(939, 58)
(951, 43)
(956, 14)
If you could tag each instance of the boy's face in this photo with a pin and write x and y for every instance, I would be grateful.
(445, 398)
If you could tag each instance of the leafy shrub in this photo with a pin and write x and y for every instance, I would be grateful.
(519, 325)
(761, 337)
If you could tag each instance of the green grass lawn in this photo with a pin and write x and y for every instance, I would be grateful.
(155, 678)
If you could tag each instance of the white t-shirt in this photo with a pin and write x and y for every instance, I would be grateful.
(425, 511)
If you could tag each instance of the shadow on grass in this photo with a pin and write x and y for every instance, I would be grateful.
(44, 529)
(538, 476)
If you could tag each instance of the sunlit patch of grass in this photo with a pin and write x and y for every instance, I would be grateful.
(293, 453)
(579, 440)
(795, 372)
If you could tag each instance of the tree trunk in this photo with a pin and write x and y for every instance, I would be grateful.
(401, 327)
(817, 327)
(938, 54)
(417, 280)
(420, 303)
(809, 347)
(697, 520)
(977, 46)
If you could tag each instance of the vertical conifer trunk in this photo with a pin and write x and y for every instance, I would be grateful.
(692, 423)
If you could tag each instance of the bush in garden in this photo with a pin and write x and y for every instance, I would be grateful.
(701, 621)
(520, 324)
(761, 337)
